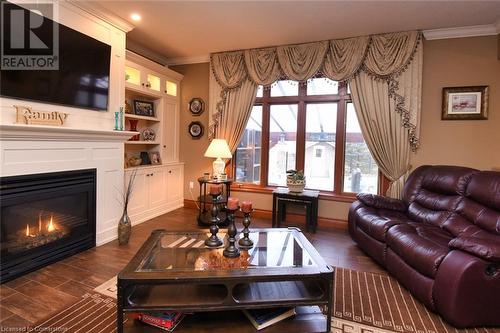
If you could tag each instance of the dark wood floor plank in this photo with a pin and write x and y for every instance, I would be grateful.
(52, 298)
(74, 288)
(26, 308)
(14, 323)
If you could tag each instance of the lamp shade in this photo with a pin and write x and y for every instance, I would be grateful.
(218, 148)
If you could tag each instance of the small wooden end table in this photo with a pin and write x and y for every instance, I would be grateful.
(308, 198)
(204, 218)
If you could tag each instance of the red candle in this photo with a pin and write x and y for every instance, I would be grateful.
(215, 189)
(246, 206)
(232, 203)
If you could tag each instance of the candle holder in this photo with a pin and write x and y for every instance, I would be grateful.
(214, 240)
(246, 241)
(231, 251)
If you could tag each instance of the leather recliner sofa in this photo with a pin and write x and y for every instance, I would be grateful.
(441, 241)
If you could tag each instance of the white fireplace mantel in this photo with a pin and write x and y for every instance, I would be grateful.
(32, 149)
(20, 132)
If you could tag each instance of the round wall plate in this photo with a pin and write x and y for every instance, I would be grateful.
(195, 129)
(196, 106)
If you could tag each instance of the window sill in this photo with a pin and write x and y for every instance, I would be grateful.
(323, 195)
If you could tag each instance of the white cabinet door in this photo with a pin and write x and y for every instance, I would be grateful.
(175, 174)
(170, 137)
(139, 200)
(157, 187)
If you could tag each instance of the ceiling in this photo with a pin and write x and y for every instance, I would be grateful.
(177, 29)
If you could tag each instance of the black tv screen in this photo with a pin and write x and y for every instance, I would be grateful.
(82, 79)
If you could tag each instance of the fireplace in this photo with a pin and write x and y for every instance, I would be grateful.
(44, 218)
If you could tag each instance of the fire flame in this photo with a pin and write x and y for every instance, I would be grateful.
(27, 230)
(50, 227)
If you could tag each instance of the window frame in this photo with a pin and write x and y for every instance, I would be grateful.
(301, 100)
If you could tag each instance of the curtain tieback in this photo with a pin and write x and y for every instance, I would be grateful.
(393, 180)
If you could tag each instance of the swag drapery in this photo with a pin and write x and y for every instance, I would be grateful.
(384, 73)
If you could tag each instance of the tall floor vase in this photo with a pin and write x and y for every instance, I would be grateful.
(124, 229)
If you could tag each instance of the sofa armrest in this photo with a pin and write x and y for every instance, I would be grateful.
(487, 249)
(380, 202)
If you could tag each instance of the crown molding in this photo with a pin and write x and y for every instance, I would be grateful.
(460, 32)
(188, 60)
(146, 52)
(99, 11)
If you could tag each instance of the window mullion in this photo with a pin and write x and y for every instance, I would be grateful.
(264, 157)
(301, 136)
(340, 142)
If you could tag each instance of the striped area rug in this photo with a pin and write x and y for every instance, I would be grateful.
(363, 303)
(377, 303)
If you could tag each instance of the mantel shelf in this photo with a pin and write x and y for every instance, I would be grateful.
(18, 132)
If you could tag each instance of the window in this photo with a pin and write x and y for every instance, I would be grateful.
(311, 127)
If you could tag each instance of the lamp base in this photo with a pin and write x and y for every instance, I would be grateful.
(218, 167)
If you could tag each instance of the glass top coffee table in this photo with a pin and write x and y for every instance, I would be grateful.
(176, 271)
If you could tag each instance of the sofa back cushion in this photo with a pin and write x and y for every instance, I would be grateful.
(432, 193)
(479, 211)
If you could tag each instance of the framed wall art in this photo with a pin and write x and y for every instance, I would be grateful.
(195, 129)
(465, 103)
(196, 106)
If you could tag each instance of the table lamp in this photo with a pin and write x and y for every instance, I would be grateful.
(218, 149)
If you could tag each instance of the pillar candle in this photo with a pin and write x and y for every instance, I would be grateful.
(215, 189)
(246, 206)
(232, 203)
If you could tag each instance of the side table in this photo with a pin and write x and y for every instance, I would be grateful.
(308, 198)
(206, 200)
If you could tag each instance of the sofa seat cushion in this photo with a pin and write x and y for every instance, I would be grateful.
(376, 222)
(421, 246)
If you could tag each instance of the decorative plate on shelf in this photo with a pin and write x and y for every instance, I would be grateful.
(149, 134)
(195, 129)
(196, 106)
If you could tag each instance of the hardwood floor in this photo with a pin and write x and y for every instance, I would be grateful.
(35, 296)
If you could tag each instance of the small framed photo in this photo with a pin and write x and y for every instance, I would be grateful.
(155, 158)
(144, 108)
(465, 103)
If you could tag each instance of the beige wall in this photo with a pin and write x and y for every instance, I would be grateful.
(450, 62)
(459, 62)
(194, 84)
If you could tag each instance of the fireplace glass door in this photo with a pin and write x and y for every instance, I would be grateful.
(45, 218)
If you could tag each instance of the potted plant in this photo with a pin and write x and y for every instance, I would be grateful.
(295, 180)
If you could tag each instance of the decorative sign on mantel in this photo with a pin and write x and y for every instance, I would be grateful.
(26, 115)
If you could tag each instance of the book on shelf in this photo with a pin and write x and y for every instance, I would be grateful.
(262, 318)
(166, 320)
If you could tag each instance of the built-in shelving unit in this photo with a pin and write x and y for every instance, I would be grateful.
(158, 188)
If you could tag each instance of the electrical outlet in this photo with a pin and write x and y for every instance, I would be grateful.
(191, 185)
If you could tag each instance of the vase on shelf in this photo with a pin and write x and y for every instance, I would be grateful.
(124, 229)
(133, 128)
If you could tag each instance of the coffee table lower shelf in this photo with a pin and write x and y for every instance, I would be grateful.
(309, 319)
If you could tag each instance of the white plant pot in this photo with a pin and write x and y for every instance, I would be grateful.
(296, 186)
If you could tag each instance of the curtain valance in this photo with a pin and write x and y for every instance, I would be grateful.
(381, 56)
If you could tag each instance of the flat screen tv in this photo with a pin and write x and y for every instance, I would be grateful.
(82, 79)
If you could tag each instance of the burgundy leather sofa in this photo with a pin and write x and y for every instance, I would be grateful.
(441, 241)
